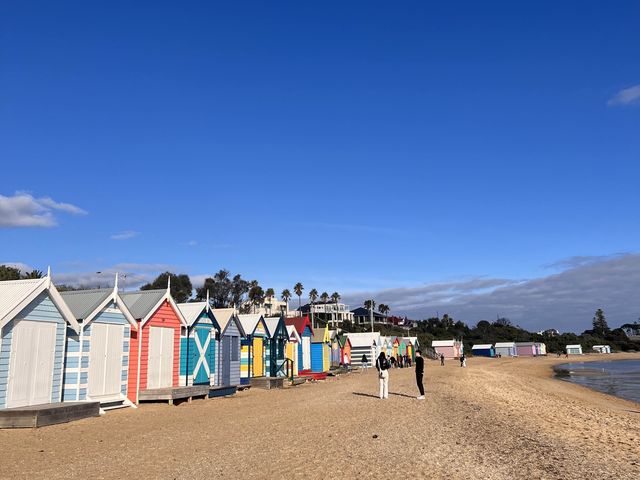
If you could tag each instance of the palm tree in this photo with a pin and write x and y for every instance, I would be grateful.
(298, 288)
(324, 298)
(335, 297)
(313, 296)
(286, 295)
(384, 309)
(33, 274)
(369, 304)
(269, 294)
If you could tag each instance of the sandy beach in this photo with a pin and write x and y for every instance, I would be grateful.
(498, 419)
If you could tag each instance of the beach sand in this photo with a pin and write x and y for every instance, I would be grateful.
(497, 419)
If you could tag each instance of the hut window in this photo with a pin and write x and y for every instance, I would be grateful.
(235, 349)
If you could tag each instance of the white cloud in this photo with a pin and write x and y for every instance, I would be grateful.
(124, 235)
(627, 96)
(24, 210)
(132, 275)
(566, 300)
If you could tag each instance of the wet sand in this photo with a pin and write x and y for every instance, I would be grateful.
(497, 419)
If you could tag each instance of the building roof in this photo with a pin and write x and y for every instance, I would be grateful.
(223, 316)
(320, 335)
(300, 323)
(505, 344)
(15, 295)
(524, 344)
(141, 303)
(249, 322)
(482, 346)
(414, 341)
(365, 339)
(343, 340)
(574, 346)
(144, 303)
(83, 302)
(272, 325)
(361, 312)
(191, 312)
(87, 304)
(443, 343)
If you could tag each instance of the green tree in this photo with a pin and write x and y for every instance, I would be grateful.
(369, 304)
(286, 296)
(384, 309)
(9, 273)
(298, 289)
(335, 297)
(324, 298)
(600, 326)
(181, 288)
(33, 274)
(256, 295)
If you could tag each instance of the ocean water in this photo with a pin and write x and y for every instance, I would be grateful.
(617, 377)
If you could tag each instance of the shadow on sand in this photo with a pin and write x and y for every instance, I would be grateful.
(360, 394)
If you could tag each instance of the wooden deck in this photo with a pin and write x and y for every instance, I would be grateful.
(48, 414)
(185, 393)
(268, 383)
(174, 393)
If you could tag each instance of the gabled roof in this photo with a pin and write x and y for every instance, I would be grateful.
(144, 303)
(83, 302)
(293, 334)
(87, 304)
(300, 323)
(250, 322)
(192, 311)
(365, 339)
(343, 340)
(15, 295)
(574, 346)
(321, 335)
(414, 341)
(273, 323)
(482, 346)
(443, 343)
(224, 316)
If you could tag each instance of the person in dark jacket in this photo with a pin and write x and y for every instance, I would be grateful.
(382, 365)
(419, 373)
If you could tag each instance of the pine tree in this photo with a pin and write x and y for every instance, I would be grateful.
(600, 326)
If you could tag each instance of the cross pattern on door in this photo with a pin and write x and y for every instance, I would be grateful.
(202, 351)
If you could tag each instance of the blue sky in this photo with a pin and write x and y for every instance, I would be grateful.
(353, 146)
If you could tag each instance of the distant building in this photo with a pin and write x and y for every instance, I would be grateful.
(270, 307)
(362, 316)
(329, 313)
(551, 332)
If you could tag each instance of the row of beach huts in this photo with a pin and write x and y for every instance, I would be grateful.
(108, 348)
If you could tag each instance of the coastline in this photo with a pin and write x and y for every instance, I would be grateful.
(499, 418)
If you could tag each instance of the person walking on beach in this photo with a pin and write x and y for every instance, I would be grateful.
(365, 361)
(420, 373)
(382, 365)
(442, 359)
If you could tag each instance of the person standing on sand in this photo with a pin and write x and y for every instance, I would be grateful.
(382, 365)
(420, 373)
(365, 361)
(442, 359)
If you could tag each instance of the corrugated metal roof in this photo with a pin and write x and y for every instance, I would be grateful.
(505, 344)
(83, 302)
(443, 343)
(12, 292)
(299, 322)
(192, 311)
(365, 339)
(249, 322)
(141, 303)
(574, 346)
(482, 346)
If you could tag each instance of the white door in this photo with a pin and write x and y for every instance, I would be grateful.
(306, 353)
(105, 361)
(31, 362)
(160, 369)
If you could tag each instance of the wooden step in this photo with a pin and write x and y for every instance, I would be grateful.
(48, 414)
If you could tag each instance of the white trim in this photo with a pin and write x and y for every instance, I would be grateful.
(166, 296)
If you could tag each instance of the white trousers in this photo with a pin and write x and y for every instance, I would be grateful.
(384, 383)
